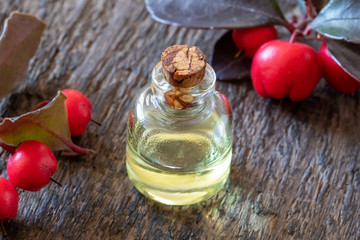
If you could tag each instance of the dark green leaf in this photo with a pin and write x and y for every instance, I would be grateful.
(211, 14)
(347, 55)
(339, 19)
(48, 124)
(224, 62)
(18, 44)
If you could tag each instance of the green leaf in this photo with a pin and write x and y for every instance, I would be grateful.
(48, 124)
(347, 55)
(213, 14)
(339, 19)
(19, 41)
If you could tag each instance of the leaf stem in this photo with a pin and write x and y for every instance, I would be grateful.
(307, 31)
(310, 9)
(304, 22)
(7, 147)
(294, 19)
(72, 146)
(290, 27)
(40, 105)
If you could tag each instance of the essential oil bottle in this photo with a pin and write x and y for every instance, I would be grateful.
(180, 131)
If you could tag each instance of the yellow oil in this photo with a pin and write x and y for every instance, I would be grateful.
(178, 168)
(179, 157)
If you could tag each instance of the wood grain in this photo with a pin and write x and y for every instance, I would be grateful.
(296, 166)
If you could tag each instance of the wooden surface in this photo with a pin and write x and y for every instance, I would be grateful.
(295, 171)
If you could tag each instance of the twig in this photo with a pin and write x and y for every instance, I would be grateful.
(310, 9)
(294, 35)
(290, 27)
(96, 122)
(53, 180)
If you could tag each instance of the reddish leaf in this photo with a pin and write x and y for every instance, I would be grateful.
(48, 124)
(347, 55)
(226, 64)
(18, 44)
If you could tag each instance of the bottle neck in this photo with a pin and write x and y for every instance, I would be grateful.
(182, 101)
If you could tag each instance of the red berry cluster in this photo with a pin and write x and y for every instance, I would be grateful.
(32, 163)
(286, 68)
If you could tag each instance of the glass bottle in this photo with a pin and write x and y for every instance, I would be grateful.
(179, 156)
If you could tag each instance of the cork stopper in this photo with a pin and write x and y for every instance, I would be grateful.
(183, 66)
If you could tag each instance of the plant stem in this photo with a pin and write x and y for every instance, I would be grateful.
(53, 180)
(290, 27)
(7, 147)
(310, 9)
(304, 22)
(294, 35)
(40, 105)
(3, 229)
(72, 146)
(96, 122)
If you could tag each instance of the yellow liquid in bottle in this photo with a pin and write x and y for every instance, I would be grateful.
(180, 167)
(179, 157)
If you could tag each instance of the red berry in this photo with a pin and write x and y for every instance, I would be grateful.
(9, 200)
(250, 39)
(31, 166)
(131, 119)
(280, 68)
(226, 102)
(79, 111)
(334, 74)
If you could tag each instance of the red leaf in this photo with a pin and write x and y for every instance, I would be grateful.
(48, 125)
(18, 44)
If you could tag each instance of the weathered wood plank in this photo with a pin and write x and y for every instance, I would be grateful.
(295, 171)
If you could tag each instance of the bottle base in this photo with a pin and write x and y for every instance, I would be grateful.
(178, 198)
(174, 187)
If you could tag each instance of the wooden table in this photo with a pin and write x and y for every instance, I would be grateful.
(295, 171)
